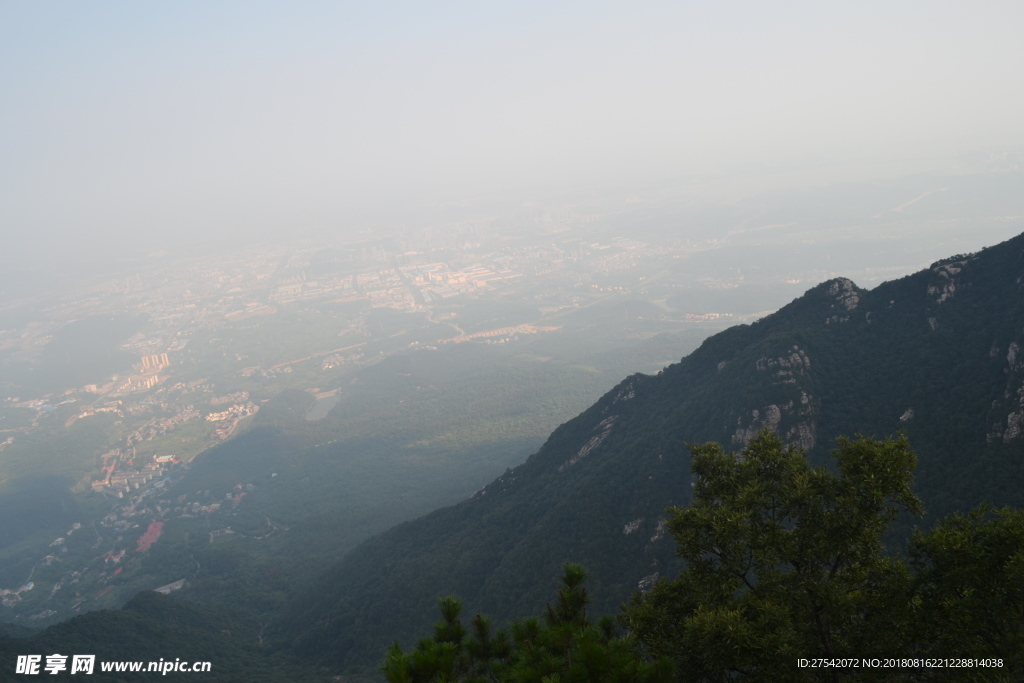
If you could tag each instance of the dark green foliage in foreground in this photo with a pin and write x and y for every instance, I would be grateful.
(969, 592)
(563, 647)
(785, 561)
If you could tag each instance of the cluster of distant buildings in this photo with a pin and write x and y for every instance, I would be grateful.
(238, 410)
(117, 483)
(151, 366)
(155, 362)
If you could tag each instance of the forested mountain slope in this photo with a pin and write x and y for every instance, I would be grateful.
(155, 628)
(937, 354)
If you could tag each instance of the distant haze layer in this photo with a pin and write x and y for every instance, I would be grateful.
(128, 126)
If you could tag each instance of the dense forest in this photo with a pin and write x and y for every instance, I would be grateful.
(784, 567)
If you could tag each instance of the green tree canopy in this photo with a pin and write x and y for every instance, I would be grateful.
(969, 588)
(563, 648)
(785, 562)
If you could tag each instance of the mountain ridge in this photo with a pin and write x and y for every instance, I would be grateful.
(936, 354)
(931, 354)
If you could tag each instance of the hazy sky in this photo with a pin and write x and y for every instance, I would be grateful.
(163, 120)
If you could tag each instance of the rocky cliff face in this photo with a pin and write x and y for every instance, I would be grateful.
(794, 419)
(1007, 415)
